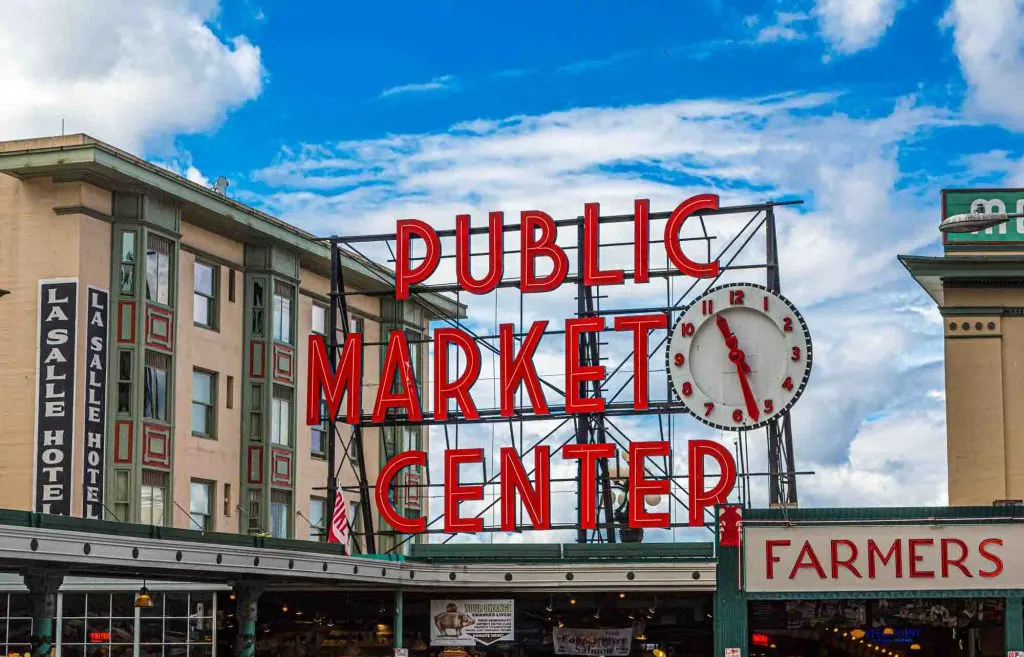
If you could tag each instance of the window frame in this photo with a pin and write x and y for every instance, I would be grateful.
(318, 533)
(211, 406)
(281, 329)
(169, 386)
(163, 487)
(212, 299)
(276, 421)
(151, 237)
(319, 307)
(289, 506)
(323, 430)
(211, 489)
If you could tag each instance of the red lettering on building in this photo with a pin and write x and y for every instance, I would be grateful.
(640, 486)
(536, 499)
(532, 247)
(807, 559)
(701, 499)
(848, 562)
(588, 453)
(640, 325)
(997, 562)
(894, 554)
(641, 240)
(689, 207)
(520, 369)
(592, 274)
(770, 558)
(397, 372)
(577, 374)
(914, 557)
(495, 254)
(947, 559)
(405, 273)
(383, 487)
(321, 383)
(456, 493)
(459, 388)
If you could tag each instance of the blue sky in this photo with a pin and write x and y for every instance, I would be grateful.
(342, 117)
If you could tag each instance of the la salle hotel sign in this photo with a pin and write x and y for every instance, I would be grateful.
(538, 233)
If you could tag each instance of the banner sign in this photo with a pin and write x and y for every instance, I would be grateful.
(95, 402)
(469, 622)
(616, 642)
(55, 395)
(883, 558)
(963, 201)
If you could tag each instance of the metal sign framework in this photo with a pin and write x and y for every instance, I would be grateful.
(583, 428)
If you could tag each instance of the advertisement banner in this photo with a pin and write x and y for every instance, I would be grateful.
(469, 622)
(963, 201)
(55, 395)
(95, 402)
(614, 642)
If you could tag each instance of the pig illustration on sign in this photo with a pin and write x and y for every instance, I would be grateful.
(451, 619)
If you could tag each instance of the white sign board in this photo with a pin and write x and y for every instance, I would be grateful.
(401, 652)
(883, 558)
(615, 642)
(469, 622)
(733, 652)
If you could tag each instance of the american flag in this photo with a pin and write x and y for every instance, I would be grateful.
(339, 523)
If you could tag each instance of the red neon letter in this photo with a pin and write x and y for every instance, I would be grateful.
(811, 561)
(675, 224)
(459, 388)
(770, 558)
(454, 492)
(321, 383)
(592, 274)
(495, 254)
(640, 325)
(913, 544)
(641, 240)
(537, 500)
(996, 561)
(396, 364)
(545, 245)
(519, 368)
(959, 561)
(380, 492)
(588, 453)
(699, 498)
(894, 553)
(639, 485)
(846, 563)
(576, 374)
(405, 273)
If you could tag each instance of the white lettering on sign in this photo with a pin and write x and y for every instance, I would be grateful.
(883, 557)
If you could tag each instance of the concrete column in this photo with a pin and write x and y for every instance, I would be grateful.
(42, 589)
(248, 597)
(1013, 623)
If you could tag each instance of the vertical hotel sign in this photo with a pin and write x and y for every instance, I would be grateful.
(55, 395)
(95, 402)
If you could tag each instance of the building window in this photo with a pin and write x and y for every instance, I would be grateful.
(122, 496)
(280, 513)
(283, 313)
(158, 367)
(158, 269)
(258, 304)
(154, 496)
(204, 308)
(317, 517)
(124, 381)
(200, 505)
(256, 413)
(355, 324)
(231, 285)
(318, 434)
(319, 319)
(255, 506)
(128, 263)
(230, 392)
(281, 416)
(204, 403)
(353, 448)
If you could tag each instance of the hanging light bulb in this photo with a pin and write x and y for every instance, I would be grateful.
(551, 604)
(284, 607)
(597, 613)
(143, 599)
(572, 601)
(622, 595)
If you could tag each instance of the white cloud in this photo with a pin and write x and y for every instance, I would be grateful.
(877, 341)
(783, 29)
(437, 84)
(127, 71)
(849, 26)
(987, 39)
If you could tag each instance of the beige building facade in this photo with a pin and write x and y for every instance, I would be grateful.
(978, 285)
(181, 316)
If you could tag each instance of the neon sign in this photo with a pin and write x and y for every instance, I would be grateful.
(538, 233)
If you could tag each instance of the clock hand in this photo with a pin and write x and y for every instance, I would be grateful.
(738, 358)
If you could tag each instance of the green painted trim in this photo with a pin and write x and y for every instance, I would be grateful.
(981, 311)
(971, 247)
(81, 209)
(891, 515)
(1013, 623)
(974, 337)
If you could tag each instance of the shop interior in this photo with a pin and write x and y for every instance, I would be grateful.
(877, 628)
(361, 623)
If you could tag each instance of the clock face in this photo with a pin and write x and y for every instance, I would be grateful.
(739, 356)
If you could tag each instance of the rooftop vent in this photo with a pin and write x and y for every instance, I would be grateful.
(221, 185)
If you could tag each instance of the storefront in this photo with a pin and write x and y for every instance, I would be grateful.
(872, 582)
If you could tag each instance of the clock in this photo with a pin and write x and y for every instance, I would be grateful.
(739, 356)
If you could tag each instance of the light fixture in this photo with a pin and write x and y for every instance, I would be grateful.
(658, 652)
(232, 596)
(551, 604)
(143, 599)
(975, 220)
(915, 646)
(560, 623)
(284, 607)
(835, 629)
(597, 613)
(772, 646)
(572, 601)
(622, 595)
(857, 634)
(888, 631)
